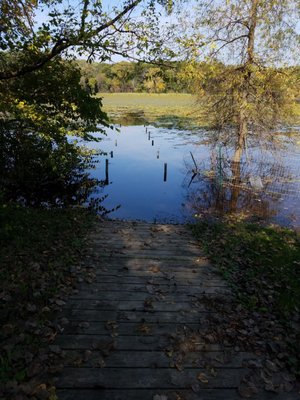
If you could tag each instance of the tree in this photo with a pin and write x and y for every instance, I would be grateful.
(122, 75)
(154, 82)
(254, 38)
(38, 112)
(84, 26)
(42, 102)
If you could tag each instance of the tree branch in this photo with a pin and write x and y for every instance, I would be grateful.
(65, 43)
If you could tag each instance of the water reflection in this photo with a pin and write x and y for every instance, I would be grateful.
(169, 175)
(261, 188)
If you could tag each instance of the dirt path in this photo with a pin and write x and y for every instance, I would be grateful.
(139, 326)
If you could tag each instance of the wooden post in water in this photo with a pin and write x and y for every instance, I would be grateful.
(149, 135)
(165, 172)
(116, 143)
(152, 142)
(157, 154)
(106, 172)
(111, 154)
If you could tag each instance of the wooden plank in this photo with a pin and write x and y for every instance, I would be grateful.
(148, 304)
(156, 280)
(149, 247)
(156, 359)
(136, 231)
(149, 254)
(140, 261)
(136, 224)
(170, 256)
(130, 328)
(163, 288)
(133, 342)
(145, 235)
(153, 271)
(135, 316)
(146, 378)
(149, 290)
(90, 293)
(142, 268)
(148, 265)
(187, 394)
(159, 273)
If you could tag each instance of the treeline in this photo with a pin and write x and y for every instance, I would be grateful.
(131, 77)
(135, 77)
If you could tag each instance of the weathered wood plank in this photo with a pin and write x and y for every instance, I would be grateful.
(163, 288)
(148, 304)
(121, 343)
(141, 394)
(141, 261)
(191, 316)
(149, 286)
(156, 359)
(90, 293)
(146, 378)
(130, 328)
(144, 280)
(195, 275)
(142, 268)
(169, 256)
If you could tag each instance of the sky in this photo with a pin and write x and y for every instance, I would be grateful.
(108, 5)
(41, 15)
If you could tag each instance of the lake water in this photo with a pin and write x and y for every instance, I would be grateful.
(150, 174)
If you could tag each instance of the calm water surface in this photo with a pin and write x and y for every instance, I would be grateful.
(152, 177)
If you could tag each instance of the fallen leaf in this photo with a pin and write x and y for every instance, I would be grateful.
(195, 388)
(247, 390)
(143, 328)
(111, 325)
(100, 363)
(148, 303)
(202, 378)
(271, 366)
(269, 387)
(31, 307)
(178, 366)
(7, 329)
(60, 302)
(154, 268)
(87, 355)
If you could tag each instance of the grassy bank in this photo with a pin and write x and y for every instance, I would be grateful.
(262, 264)
(39, 251)
(166, 109)
(170, 109)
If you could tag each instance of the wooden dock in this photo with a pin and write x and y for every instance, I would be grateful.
(137, 328)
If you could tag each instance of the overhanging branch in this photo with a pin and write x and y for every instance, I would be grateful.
(63, 44)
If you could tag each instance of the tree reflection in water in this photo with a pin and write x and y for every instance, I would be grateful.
(250, 189)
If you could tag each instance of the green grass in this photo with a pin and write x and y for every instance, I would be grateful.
(170, 109)
(261, 263)
(166, 109)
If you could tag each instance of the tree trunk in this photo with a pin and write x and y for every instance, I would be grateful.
(242, 134)
(250, 60)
